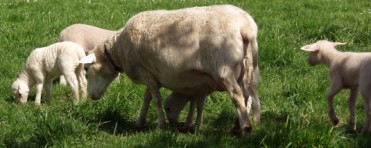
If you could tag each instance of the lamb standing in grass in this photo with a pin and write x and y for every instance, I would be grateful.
(85, 35)
(46, 63)
(347, 70)
(175, 103)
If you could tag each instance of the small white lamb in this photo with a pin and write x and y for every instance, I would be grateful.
(44, 64)
(348, 70)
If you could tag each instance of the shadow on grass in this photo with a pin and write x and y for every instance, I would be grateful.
(114, 122)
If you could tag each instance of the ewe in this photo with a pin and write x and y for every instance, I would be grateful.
(44, 64)
(192, 51)
(85, 35)
(348, 70)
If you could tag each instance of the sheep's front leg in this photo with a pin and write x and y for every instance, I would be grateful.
(39, 87)
(72, 81)
(255, 103)
(158, 102)
(352, 106)
(200, 108)
(48, 89)
(189, 121)
(334, 89)
(141, 121)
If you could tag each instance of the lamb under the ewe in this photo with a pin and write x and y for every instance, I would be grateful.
(348, 70)
(46, 63)
(85, 35)
(193, 51)
(175, 103)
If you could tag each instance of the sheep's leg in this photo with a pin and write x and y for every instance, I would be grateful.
(366, 126)
(141, 121)
(334, 89)
(62, 80)
(158, 101)
(255, 102)
(229, 82)
(72, 81)
(39, 87)
(189, 120)
(200, 108)
(352, 106)
(48, 89)
(80, 73)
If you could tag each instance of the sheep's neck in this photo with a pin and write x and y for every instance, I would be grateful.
(330, 56)
(26, 77)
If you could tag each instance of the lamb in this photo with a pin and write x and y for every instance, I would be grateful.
(176, 102)
(44, 64)
(85, 35)
(192, 51)
(348, 70)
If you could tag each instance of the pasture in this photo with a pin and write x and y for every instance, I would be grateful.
(292, 94)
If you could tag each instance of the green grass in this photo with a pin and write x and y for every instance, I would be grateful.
(294, 110)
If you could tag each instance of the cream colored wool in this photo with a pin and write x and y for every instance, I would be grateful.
(348, 70)
(192, 51)
(46, 63)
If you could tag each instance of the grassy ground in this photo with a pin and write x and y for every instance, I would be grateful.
(294, 110)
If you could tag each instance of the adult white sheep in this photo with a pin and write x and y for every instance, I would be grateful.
(193, 51)
(175, 103)
(44, 64)
(85, 35)
(348, 70)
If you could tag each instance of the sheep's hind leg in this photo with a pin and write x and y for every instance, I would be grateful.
(141, 121)
(352, 106)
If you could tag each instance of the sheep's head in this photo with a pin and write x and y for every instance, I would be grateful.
(174, 104)
(100, 74)
(317, 50)
(20, 91)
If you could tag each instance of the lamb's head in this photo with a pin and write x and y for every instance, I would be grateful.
(20, 90)
(318, 49)
(174, 104)
(101, 72)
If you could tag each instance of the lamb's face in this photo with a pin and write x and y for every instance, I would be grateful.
(100, 75)
(173, 106)
(314, 58)
(20, 91)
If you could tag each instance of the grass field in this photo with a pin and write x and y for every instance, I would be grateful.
(294, 109)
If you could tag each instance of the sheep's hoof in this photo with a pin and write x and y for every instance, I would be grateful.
(335, 121)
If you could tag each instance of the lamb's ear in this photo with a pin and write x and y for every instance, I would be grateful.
(310, 48)
(338, 43)
(88, 59)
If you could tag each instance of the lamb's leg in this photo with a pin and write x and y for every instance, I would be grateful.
(352, 106)
(255, 102)
(189, 121)
(334, 89)
(158, 102)
(39, 87)
(367, 104)
(48, 89)
(200, 108)
(72, 81)
(141, 121)
(80, 73)
(62, 80)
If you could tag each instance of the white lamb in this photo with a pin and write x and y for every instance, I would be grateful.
(348, 70)
(46, 63)
(85, 35)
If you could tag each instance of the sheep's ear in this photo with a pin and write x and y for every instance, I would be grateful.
(88, 59)
(309, 48)
(338, 43)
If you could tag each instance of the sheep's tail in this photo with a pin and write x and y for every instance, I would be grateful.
(249, 35)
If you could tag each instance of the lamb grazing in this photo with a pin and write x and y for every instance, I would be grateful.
(192, 51)
(44, 64)
(175, 103)
(85, 35)
(348, 70)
